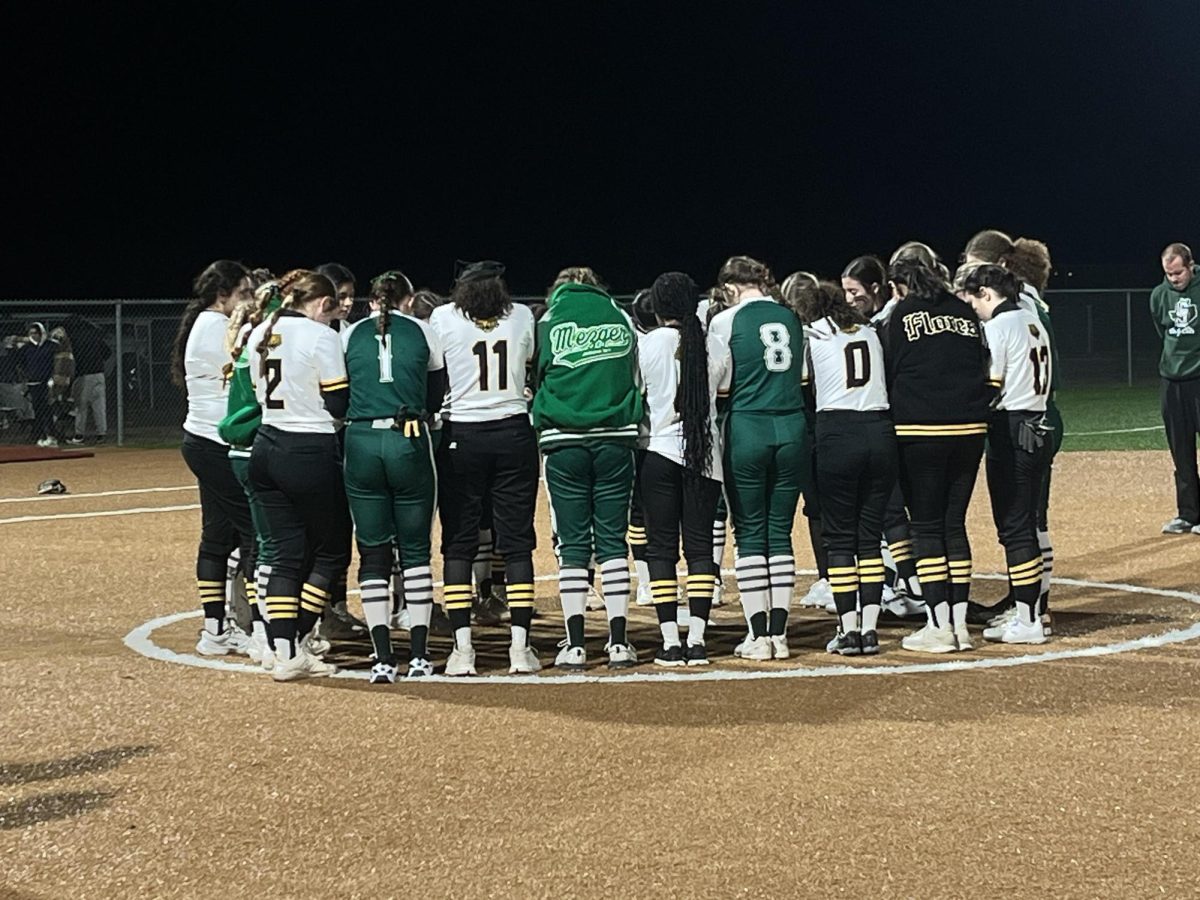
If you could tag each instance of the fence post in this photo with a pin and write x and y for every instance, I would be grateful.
(120, 378)
(1129, 338)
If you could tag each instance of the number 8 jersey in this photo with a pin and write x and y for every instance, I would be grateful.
(767, 347)
(486, 363)
(846, 367)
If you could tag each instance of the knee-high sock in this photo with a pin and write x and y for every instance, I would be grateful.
(418, 597)
(1025, 576)
(754, 586)
(1047, 569)
(934, 574)
(664, 592)
(782, 573)
(262, 575)
(719, 536)
(572, 594)
(614, 581)
(519, 592)
(283, 607)
(871, 576)
(843, 580)
(499, 577)
(377, 608)
(456, 594)
(313, 599)
(960, 590)
(397, 582)
(906, 566)
(481, 569)
(700, 589)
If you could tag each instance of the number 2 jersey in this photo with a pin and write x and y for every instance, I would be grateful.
(486, 363)
(845, 367)
(389, 372)
(766, 345)
(303, 359)
(1021, 367)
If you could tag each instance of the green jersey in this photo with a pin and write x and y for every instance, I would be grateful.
(767, 345)
(242, 413)
(387, 372)
(1175, 315)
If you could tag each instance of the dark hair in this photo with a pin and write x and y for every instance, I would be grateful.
(424, 302)
(797, 288)
(828, 301)
(482, 300)
(973, 278)
(1026, 258)
(642, 311)
(867, 270)
(538, 309)
(1183, 251)
(922, 282)
(576, 275)
(748, 270)
(336, 273)
(219, 279)
(298, 287)
(675, 298)
(389, 290)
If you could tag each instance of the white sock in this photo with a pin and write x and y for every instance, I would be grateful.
(212, 626)
(783, 581)
(641, 568)
(943, 614)
(959, 612)
(231, 574)
(614, 581)
(572, 592)
(1025, 614)
(753, 584)
(719, 536)
(870, 617)
(262, 574)
(376, 601)
(520, 637)
(670, 633)
(462, 638)
(418, 595)
(696, 631)
(849, 621)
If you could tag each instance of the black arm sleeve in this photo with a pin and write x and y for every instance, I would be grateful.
(337, 403)
(435, 390)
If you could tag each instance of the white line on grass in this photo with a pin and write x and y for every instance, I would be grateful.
(140, 640)
(1068, 434)
(153, 490)
(16, 520)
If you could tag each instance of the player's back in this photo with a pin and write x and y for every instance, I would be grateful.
(303, 359)
(387, 371)
(486, 362)
(767, 346)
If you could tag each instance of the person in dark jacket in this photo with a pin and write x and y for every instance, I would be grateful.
(36, 361)
(89, 392)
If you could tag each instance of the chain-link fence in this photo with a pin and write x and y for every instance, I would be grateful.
(120, 389)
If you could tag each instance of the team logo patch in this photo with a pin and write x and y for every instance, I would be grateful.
(486, 325)
(274, 340)
(1033, 330)
(1183, 317)
(573, 346)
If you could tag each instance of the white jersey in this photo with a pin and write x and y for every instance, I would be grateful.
(660, 376)
(845, 367)
(204, 359)
(305, 358)
(485, 363)
(1020, 358)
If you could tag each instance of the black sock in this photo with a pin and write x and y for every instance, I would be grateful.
(522, 617)
(616, 630)
(381, 639)
(575, 631)
(758, 624)
(418, 637)
(779, 617)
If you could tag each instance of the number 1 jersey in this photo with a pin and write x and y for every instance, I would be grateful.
(388, 371)
(767, 347)
(486, 363)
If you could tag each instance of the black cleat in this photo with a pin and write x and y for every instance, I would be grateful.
(978, 614)
(870, 643)
(339, 625)
(696, 655)
(670, 656)
(848, 644)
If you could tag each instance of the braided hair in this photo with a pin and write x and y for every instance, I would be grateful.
(389, 290)
(220, 279)
(675, 299)
(296, 289)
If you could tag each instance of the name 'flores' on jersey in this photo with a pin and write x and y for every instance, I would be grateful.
(486, 362)
(766, 344)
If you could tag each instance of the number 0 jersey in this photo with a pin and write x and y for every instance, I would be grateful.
(846, 367)
(767, 347)
(486, 363)
(1020, 366)
(388, 371)
(303, 358)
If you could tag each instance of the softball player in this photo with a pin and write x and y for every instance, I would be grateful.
(680, 474)
(299, 377)
(197, 364)
(489, 454)
(586, 409)
(1029, 261)
(937, 387)
(767, 463)
(856, 458)
(397, 381)
(1021, 370)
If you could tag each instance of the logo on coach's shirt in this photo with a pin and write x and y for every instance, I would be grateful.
(919, 324)
(1183, 316)
(574, 345)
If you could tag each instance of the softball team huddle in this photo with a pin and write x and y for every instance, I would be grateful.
(874, 400)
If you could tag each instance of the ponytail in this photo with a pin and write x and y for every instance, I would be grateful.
(675, 299)
(219, 279)
(297, 288)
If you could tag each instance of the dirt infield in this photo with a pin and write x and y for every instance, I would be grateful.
(124, 776)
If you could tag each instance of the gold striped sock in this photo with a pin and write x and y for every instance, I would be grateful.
(520, 595)
(871, 571)
(456, 596)
(282, 607)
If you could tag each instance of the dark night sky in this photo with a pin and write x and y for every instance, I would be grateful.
(142, 140)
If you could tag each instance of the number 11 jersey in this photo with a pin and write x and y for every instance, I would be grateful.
(486, 363)
(767, 347)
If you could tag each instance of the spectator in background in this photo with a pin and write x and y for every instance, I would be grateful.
(36, 360)
(61, 377)
(1175, 306)
(88, 391)
(14, 401)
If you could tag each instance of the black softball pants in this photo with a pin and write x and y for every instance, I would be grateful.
(224, 510)
(1015, 478)
(1181, 416)
(937, 476)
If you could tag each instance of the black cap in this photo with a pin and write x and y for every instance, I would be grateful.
(478, 271)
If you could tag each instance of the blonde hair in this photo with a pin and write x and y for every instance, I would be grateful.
(297, 288)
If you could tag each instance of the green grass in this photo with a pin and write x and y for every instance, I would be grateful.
(1112, 408)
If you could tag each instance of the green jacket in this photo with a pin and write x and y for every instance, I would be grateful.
(585, 370)
(242, 412)
(1175, 317)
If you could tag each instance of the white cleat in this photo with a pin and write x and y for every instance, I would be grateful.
(779, 646)
(383, 673)
(621, 656)
(523, 661)
(594, 599)
(419, 668)
(718, 593)
(930, 640)
(259, 648)
(461, 662)
(573, 659)
(1018, 632)
(962, 637)
(819, 595)
(643, 597)
(1001, 619)
(754, 648)
(231, 640)
(302, 665)
(314, 644)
